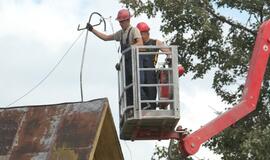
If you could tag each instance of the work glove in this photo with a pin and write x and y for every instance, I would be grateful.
(89, 27)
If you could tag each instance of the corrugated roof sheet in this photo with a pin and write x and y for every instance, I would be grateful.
(59, 131)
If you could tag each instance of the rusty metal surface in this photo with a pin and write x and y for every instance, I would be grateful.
(49, 131)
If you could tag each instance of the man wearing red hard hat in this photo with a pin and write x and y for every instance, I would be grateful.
(149, 61)
(144, 29)
(127, 36)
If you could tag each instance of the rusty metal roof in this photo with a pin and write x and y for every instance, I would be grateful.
(67, 131)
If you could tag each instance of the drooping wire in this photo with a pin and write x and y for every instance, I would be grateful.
(48, 74)
(85, 43)
(82, 63)
(115, 43)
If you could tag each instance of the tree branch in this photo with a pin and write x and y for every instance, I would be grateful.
(223, 19)
(261, 14)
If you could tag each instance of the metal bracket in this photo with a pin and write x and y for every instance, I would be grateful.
(89, 21)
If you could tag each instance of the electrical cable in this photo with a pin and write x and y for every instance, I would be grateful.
(85, 43)
(82, 62)
(115, 44)
(48, 74)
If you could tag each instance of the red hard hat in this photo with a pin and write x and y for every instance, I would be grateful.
(143, 27)
(123, 14)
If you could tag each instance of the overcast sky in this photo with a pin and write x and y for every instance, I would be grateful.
(35, 34)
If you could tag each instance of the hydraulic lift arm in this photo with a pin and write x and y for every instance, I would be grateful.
(191, 143)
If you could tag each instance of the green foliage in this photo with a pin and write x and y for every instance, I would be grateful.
(160, 153)
(210, 40)
(170, 153)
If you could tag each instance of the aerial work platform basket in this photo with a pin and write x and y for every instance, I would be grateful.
(137, 122)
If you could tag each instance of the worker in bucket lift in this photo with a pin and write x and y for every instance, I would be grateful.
(149, 61)
(127, 36)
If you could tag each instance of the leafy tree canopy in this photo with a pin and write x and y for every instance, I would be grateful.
(210, 40)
